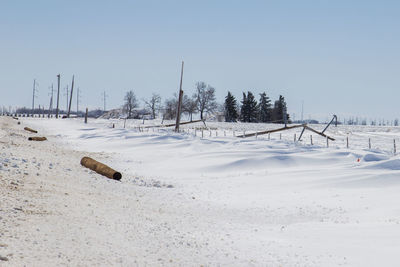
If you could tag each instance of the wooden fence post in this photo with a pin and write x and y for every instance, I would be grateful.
(311, 139)
(347, 142)
(369, 143)
(86, 114)
(327, 142)
(394, 146)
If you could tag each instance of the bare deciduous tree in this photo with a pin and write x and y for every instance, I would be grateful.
(153, 104)
(130, 103)
(170, 106)
(205, 98)
(189, 106)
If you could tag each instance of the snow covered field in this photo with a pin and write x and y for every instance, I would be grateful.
(188, 201)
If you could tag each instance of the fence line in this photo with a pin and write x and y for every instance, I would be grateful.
(382, 145)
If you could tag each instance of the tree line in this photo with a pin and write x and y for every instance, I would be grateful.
(203, 102)
(251, 111)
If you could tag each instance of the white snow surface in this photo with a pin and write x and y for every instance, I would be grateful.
(184, 200)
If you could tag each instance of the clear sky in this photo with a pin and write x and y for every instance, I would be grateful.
(340, 57)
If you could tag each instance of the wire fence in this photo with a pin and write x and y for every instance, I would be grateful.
(353, 137)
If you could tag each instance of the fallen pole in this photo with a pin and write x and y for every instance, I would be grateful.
(37, 138)
(173, 124)
(272, 131)
(30, 130)
(100, 168)
(322, 134)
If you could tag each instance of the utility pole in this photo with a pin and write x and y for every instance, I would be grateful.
(33, 95)
(58, 94)
(178, 112)
(70, 100)
(302, 110)
(51, 99)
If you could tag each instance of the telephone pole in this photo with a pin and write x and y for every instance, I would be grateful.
(58, 94)
(70, 100)
(178, 111)
(34, 95)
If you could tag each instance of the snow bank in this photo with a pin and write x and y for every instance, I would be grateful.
(187, 200)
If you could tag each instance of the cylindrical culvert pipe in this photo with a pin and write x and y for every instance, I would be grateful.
(37, 138)
(30, 130)
(100, 168)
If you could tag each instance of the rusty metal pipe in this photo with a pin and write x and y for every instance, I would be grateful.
(100, 168)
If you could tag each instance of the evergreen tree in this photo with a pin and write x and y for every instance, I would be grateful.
(249, 111)
(265, 114)
(253, 107)
(244, 109)
(280, 109)
(231, 114)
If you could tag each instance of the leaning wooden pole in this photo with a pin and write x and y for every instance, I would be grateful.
(173, 124)
(322, 134)
(272, 131)
(70, 99)
(100, 168)
(58, 94)
(178, 110)
(86, 115)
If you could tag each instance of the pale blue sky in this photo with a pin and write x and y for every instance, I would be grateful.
(338, 56)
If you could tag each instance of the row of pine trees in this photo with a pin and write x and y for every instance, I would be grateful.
(251, 111)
